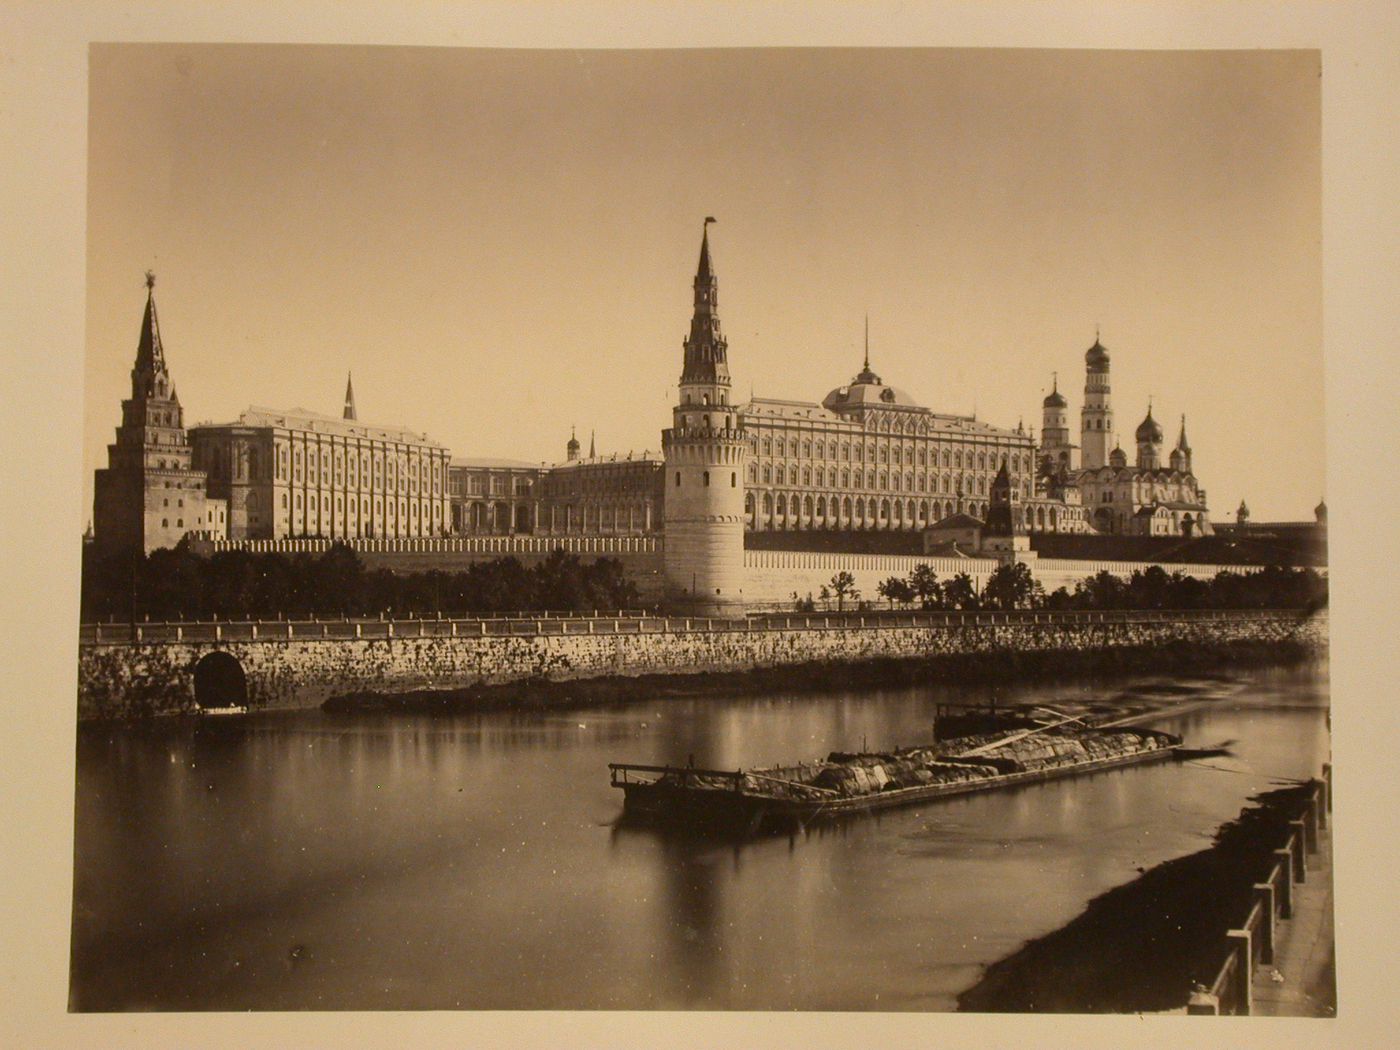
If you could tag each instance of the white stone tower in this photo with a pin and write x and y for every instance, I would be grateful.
(705, 450)
(1056, 453)
(1096, 417)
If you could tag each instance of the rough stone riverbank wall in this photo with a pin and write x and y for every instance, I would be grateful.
(144, 679)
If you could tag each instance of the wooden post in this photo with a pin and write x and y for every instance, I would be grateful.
(1244, 971)
(1300, 861)
(1202, 1003)
(1327, 781)
(1284, 887)
(1264, 894)
(1310, 824)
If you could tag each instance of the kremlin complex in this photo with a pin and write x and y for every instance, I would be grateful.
(866, 458)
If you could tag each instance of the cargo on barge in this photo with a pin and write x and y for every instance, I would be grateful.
(785, 798)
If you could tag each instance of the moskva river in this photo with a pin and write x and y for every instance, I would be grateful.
(309, 861)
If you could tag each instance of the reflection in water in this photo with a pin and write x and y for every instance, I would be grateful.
(317, 861)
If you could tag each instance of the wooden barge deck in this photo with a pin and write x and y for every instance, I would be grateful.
(782, 799)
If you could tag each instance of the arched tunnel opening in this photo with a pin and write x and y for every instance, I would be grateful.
(219, 681)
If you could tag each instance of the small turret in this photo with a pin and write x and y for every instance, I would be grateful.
(571, 449)
(1320, 512)
(1118, 459)
(1181, 455)
(1242, 514)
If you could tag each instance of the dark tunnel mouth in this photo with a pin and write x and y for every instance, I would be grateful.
(219, 681)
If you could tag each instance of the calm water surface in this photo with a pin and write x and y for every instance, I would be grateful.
(312, 861)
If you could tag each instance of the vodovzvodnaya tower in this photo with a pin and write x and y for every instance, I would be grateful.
(704, 452)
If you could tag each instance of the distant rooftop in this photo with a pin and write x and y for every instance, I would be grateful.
(305, 419)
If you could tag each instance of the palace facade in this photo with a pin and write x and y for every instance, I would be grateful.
(291, 473)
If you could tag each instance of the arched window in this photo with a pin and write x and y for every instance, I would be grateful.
(678, 479)
(733, 479)
(782, 505)
(768, 503)
(792, 475)
(846, 507)
(821, 506)
(767, 474)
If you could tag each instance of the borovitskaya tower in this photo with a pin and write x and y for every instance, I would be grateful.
(704, 452)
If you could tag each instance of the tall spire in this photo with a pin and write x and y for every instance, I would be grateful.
(592, 444)
(349, 399)
(705, 269)
(866, 375)
(150, 355)
(706, 360)
(1181, 442)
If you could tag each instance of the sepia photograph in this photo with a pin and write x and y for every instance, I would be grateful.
(869, 636)
(616, 525)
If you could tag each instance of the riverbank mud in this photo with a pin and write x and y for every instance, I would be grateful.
(1178, 658)
(1142, 946)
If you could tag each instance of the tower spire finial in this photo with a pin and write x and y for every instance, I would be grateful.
(867, 340)
(150, 279)
(1055, 381)
(349, 412)
(592, 444)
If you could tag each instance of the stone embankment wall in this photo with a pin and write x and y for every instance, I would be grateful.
(142, 679)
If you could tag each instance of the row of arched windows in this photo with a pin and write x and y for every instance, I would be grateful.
(872, 452)
(833, 477)
(796, 508)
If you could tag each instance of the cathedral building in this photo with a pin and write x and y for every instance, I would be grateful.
(1094, 489)
(151, 494)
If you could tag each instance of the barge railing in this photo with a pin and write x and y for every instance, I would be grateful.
(1252, 944)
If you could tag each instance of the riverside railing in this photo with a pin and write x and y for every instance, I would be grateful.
(1253, 943)
(634, 622)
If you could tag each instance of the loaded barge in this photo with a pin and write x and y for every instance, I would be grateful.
(786, 798)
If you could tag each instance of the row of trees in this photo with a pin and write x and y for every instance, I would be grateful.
(1013, 587)
(173, 584)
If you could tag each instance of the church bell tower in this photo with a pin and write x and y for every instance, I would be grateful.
(704, 451)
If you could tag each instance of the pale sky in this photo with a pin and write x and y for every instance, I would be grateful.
(499, 244)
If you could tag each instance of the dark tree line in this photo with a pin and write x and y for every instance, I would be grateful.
(174, 584)
(1013, 587)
